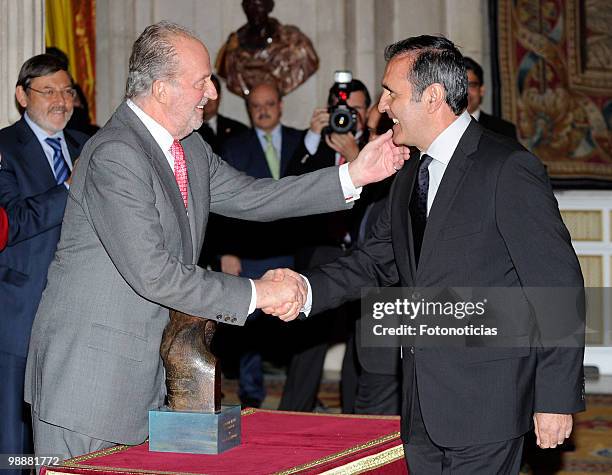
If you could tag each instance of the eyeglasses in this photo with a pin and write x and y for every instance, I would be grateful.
(48, 93)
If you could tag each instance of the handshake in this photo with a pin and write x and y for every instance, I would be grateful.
(282, 293)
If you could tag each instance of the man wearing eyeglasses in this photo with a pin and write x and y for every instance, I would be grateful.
(36, 160)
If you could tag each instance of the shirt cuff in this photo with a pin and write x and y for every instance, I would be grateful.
(348, 189)
(308, 304)
(311, 141)
(253, 303)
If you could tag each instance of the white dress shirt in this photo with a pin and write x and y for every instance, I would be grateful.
(441, 150)
(277, 139)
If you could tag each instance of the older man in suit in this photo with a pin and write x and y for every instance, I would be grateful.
(477, 210)
(131, 235)
(37, 155)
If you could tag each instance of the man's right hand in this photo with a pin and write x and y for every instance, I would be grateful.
(319, 120)
(281, 292)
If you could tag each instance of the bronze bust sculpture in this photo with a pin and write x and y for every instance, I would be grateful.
(263, 50)
(193, 380)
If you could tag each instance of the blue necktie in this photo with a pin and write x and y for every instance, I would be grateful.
(418, 205)
(60, 167)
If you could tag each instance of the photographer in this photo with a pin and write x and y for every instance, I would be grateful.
(336, 148)
(325, 238)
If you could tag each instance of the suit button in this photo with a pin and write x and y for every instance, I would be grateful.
(218, 317)
(227, 319)
(412, 350)
(416, 296)
(234, 319)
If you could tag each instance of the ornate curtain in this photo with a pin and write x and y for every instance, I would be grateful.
(71, 27)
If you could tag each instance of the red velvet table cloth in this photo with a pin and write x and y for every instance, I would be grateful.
(272, 442)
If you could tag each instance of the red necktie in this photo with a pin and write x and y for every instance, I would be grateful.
(180, 168)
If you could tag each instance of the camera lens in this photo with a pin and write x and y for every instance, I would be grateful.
(341, 121)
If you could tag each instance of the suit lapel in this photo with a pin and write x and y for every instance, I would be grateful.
(287, 149)
(222, 127)
(74, 148)
(452, 180)
(404, 195)
(166, 175)
(32, 149)
(193, 154)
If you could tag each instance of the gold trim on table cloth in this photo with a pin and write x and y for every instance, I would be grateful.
(369, 463)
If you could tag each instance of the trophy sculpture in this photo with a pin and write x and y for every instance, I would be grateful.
(194, 421)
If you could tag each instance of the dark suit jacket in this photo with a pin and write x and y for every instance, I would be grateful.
(35, 205)
(498, 125)
(322, 230)
(326, 229)
(249, 239)
(375, 359)
(226, 129)
(494, 223)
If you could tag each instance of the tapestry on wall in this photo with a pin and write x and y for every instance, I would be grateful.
(555, 67)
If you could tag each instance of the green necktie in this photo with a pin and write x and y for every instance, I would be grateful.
(272, 157)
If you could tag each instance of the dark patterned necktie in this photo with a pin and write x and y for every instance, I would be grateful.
(418, 205)
(60, 167)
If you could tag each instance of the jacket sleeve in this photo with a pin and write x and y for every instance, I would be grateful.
(237, 195)
(370, 265)
(121, 200)
(31, 215)
(540, 247)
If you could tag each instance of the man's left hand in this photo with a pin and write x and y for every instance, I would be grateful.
(378, 160)
(552, 429)
(344, 144)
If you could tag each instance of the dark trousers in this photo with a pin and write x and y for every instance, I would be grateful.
(303, 378)
(15, 424)
(378, 394)
(311, 339)
(423, 456)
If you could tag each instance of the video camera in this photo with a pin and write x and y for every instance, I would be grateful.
(342, 117)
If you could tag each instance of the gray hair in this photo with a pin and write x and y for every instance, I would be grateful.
(154, 57)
